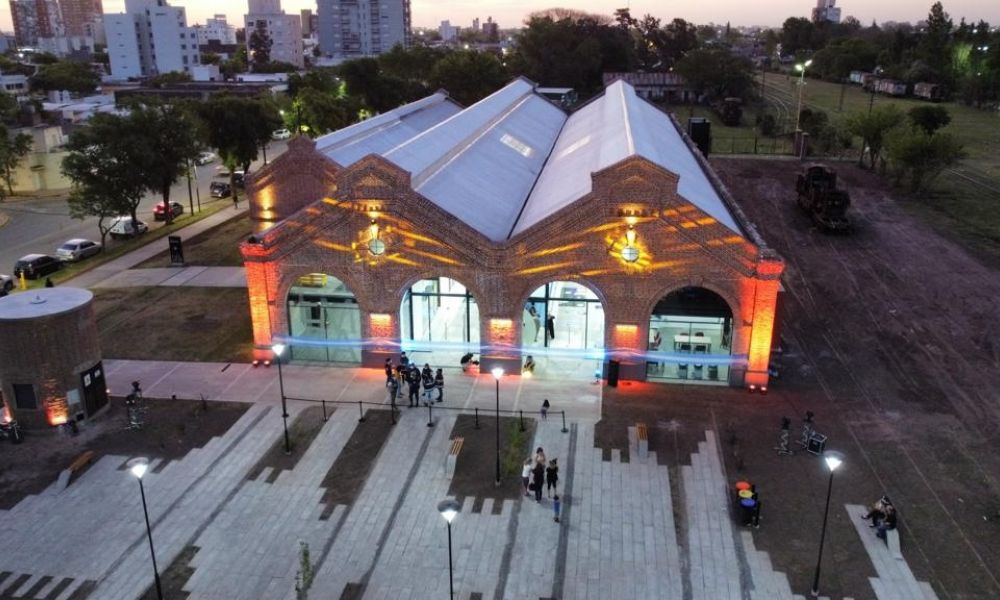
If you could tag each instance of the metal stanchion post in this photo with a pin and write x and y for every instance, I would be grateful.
(564, 430)
(361, 413)
(324, 410)
(477, 417)
(392, 409)
(430, 415)
(521, 418)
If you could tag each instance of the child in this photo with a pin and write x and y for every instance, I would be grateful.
(545, 409)
(556, 505)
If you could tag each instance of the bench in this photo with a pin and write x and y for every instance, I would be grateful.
(74, 468)
(453, 450)
(892, 542)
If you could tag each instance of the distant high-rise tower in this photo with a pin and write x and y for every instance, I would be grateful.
(826, 10)
(284, 30)
(80, 16)
(356, 28)
(36, 19)
(475, 24)
(150, 38)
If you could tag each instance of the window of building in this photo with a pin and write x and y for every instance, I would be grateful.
(577, 317)
(24, 396)
(324, 320)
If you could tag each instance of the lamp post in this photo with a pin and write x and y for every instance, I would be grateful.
(449, 509)
(497, 374)
(278, 349)
(833, 460)
(138, 467)
(801, 68)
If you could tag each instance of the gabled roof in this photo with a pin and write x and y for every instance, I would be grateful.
(609, 129)
(513, 159)
(481, 164)
(383, 132)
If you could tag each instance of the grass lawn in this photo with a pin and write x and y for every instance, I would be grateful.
(171, 323)
(216, 247)
(961, 202)
(116, 248)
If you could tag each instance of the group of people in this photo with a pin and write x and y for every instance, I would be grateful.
(882, 515)
(409, 374)
(539, 472)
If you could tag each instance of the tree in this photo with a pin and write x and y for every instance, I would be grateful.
(798, 34)
(410, 63)
(873, 128)
(469, 75)
(169, 78)
(171, 142)
(321, 112)
(210, 58)
(717, 73)
(918, 157)
(929, 118)
(305, 575)
(12, 151)
(260, 43)
(101, 163)
(935, 42)
(237, 127)
(65, 75)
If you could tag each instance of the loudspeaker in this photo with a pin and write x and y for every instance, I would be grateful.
(817, 443)
(613, 369)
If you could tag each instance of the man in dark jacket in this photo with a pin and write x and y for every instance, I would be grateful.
(413, 379)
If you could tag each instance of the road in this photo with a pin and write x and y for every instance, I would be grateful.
(43, 225)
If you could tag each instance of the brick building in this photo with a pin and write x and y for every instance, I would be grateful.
(509, 229)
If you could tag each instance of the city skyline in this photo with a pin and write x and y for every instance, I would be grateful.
(429, 13)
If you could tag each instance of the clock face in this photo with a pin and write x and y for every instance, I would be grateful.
(376, 247)
(630, 253)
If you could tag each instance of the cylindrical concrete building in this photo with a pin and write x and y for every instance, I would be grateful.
(50, 357)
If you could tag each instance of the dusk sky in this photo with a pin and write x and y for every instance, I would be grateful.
(509, 13)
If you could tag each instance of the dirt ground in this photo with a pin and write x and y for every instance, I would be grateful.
(301, 433)
(479, 449)
(171, 323)
(347, 475)
(172, 429)
(889, 338)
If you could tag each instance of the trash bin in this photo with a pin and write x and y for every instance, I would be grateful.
(614, 367)
(747, 510)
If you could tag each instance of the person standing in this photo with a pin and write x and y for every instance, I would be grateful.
(389, 374)
(550, 327)
(537, 320)
(439, 384)
(540, 456)
(413, 379)
(428, 378)
(551, 477)
(545, 409)
(556, 506)
(538, 480)
(526, 476)
(393, 386)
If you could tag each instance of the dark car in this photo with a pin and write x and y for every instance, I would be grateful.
(36, 265)
(220, 189)
(176, 208)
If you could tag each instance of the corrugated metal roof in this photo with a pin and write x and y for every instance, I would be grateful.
(480, 164)
(609, 129)
(383, 132)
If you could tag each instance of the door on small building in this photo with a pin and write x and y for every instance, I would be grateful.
(439, 321)
(690, 338)
(324, 320)
(95, 390)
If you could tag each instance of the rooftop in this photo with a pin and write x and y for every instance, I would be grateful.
(513, 159)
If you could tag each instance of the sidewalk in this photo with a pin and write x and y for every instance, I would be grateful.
(98, 275)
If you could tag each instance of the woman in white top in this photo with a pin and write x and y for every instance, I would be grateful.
(526, 475)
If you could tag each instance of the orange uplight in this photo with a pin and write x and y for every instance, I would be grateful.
(381, 325)
(502, 332)
(57, 411)
(626, 336)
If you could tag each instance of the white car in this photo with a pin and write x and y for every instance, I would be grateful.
(281, 134)
(77, 249)
(204, 158)
(6, 282)
(122, 228)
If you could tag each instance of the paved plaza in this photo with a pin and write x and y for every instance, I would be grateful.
(627, 530)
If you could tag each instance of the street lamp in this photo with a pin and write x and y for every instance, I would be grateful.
(833, 460)
(801, 68)
(497, 374)
(449, 509)
(138, 466)
(278, 349)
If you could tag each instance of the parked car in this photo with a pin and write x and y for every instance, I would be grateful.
(238, 176)
(176, 208)
(36, 265)
(220, 189)
(77, 249)
(204, 158)
(281, 134)
(123, 228)
(6, 283)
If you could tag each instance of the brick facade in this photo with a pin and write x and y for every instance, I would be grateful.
(680, 246)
